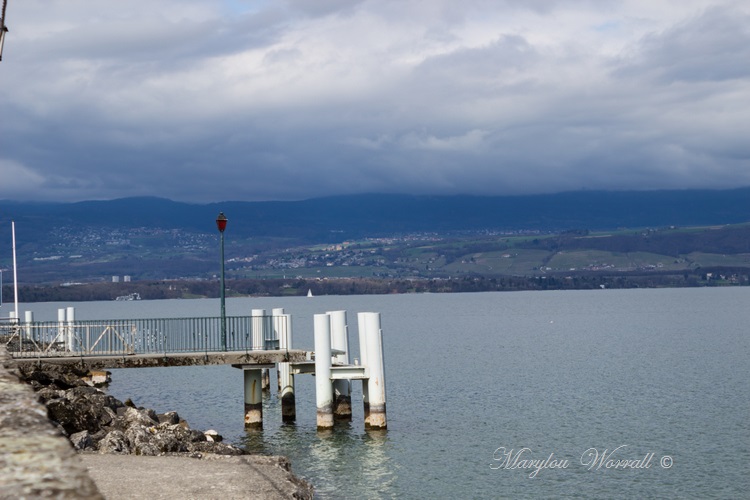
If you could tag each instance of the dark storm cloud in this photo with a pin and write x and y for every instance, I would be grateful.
(203, 101)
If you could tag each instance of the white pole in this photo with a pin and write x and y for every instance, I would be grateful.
(61, 330)
(15, 270)
(253, 398)
(286, 378)
(258, 325)
(277, 324)
(342, 389)
(29, 320)
(375, 366)
(277, 320)
(261, 327)
(71, 318)
(323, 386)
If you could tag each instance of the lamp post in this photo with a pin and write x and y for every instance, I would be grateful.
(221, 224)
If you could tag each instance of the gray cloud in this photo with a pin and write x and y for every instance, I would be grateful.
(712, 46)
(203, 101)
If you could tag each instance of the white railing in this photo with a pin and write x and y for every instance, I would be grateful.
(144, 336)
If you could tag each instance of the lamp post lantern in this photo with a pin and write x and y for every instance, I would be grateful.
(221, 224)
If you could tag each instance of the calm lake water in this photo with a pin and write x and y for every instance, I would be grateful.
(481, 385)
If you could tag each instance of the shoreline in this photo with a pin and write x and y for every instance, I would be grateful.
(112, 449)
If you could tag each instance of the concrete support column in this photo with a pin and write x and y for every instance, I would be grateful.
(342, 389)
(253, 399)
(376, 369)
(362, 334)
(323, 386)
(286, 378)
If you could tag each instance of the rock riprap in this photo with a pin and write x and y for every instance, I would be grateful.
(98, 422)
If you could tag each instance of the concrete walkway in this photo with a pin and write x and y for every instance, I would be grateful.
(36, 461)
(178, 477)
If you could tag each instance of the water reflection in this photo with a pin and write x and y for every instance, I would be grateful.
(344, 462)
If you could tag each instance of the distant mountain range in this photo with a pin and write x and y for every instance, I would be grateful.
(379, 236)
(341, 217)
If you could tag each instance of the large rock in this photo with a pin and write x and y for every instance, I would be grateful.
(81, 408)
(170, 417)
(114, 442)
(82, 441)
(134, 416)
(141, 440)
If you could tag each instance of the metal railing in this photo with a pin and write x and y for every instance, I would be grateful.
(143, 336)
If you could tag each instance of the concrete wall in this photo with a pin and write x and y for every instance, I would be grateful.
(35, 459)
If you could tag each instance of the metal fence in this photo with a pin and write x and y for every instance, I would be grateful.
(143, 336)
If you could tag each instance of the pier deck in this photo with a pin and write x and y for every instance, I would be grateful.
(173, 359)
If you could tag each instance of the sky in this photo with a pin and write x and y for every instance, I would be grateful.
(205, 101)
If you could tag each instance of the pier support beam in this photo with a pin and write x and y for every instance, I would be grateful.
(253, 398)
(342, 400)
(323, 385)
(376, 416)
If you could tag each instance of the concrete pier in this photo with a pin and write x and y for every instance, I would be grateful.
(323, 385)
(267, 344)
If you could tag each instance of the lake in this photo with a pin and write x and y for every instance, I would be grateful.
(600, 393)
